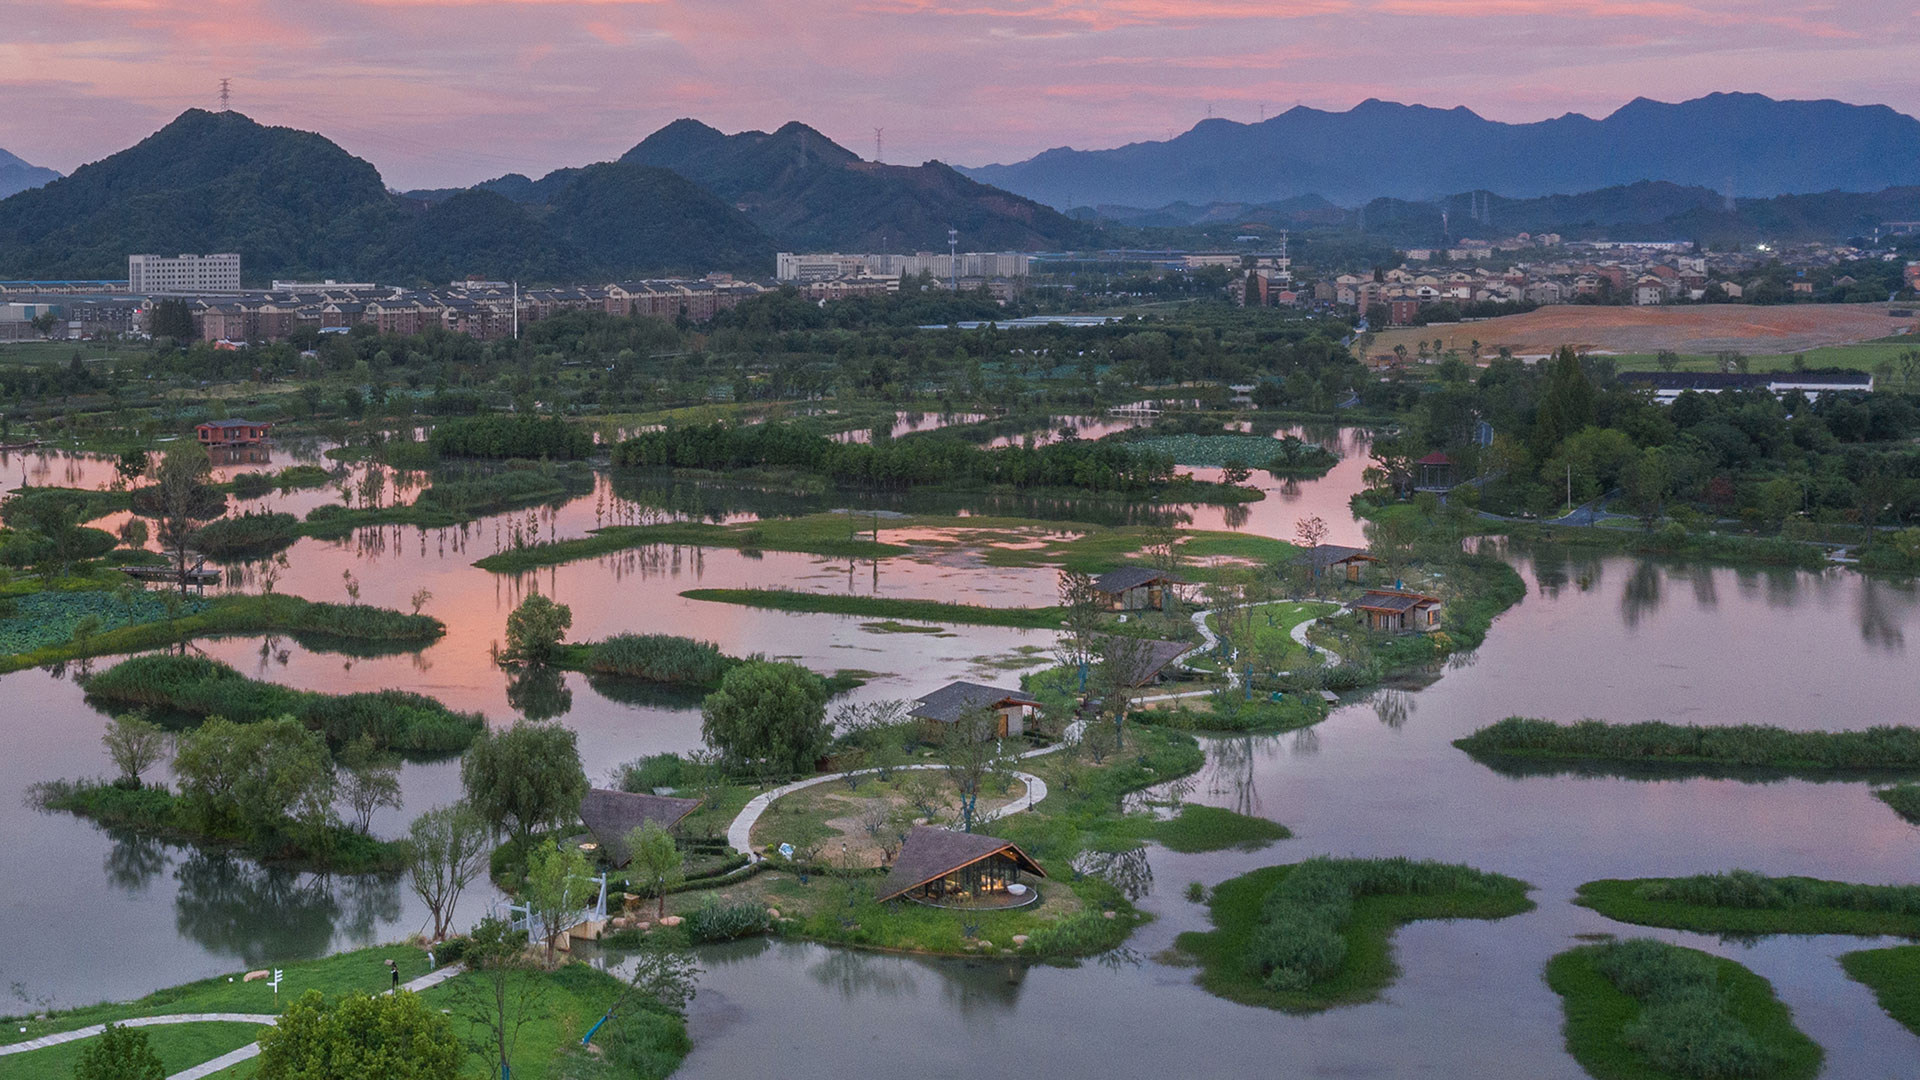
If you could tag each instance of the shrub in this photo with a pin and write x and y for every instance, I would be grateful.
(714, 921)
(651, 772)
(1686, 1023)
(661, 658)
(499, 436)
(1301, 938)
(247, 534)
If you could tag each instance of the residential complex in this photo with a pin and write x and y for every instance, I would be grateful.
(830, 266)
(183, 275)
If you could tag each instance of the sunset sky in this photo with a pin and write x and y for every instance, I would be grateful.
(443, 92)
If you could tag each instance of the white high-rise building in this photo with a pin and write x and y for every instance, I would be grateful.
(190, 274)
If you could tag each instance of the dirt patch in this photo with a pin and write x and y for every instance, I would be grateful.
(1695, 329)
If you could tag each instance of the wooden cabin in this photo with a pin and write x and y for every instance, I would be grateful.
(611, 815)
(943, 868)
(941, 710)
(1398, 611)
(1136, 588)
(1322, 559)
(231, 432)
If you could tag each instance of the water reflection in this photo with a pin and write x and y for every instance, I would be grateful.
(134, 860)
(234, 907)
(1128, 871)
(1393, 707)
(539, 692)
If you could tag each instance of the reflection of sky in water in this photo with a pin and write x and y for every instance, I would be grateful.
(1613, 638)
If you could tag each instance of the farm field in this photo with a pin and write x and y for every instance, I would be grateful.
(1778, 331)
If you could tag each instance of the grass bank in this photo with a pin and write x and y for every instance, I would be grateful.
(1746, 903)
(1314, 935)
(668, 660)
(639, 1042)
(881, 607)
(199, 687)
(1894, 977)
(1690, 747)
(235, 615)
(1643, 1010)
(1197, 828)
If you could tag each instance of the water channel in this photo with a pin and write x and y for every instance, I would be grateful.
(88, 916)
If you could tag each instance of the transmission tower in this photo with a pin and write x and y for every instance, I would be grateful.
(879, 147)
(226, 94)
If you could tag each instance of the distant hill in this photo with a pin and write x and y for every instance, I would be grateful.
(289, 201)
(16, 175)
(294, 204)
(809, 193)
(1761, 146)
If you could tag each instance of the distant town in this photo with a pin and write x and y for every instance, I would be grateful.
(1471, 279)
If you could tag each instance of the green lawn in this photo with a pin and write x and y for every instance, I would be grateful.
(1848, 909)
(1598, 1014)
(1894, 977)
(1273, 629)
(179, 1047)
(1863, 356)
(577, 995)
(1236, 907)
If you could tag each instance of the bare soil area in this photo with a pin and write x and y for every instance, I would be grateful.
(1694, 329)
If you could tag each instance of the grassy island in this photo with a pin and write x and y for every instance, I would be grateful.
(1645, 1010)
(1522, 744)
(667, 660)
(883, 607)
(1894, 977)
(146, 620)
(155, 811)
(198, 687)
(1314, 935)
(1904, 799)
(1745, 903)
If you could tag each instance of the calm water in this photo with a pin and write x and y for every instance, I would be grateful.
(1613, 638)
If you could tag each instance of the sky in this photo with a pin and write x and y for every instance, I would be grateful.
(450, 92)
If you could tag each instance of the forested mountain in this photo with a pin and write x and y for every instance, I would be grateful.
(294, 204)
(1759, 146)
(289, 201)
(17, 175)
(1649, 210)
(810, 193)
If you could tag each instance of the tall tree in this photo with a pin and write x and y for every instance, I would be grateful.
(368, 782)
(535, 630)
(557, 885)
(525, 778)
(503, 992)
(656, 863)
(181, 481)
(446, 849)
(767, 718)
(135, 745)
(972, 753)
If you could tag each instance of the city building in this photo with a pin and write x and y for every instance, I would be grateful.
(187, 275)
(831, 266)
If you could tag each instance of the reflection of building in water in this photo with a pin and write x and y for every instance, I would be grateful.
(243, 454)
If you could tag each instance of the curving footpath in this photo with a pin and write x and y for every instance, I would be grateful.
(224, 1061)
(740, 831)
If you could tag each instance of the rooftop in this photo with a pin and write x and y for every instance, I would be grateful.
(951, 701)
(1132, 577)
(610, 815)
(930, 853)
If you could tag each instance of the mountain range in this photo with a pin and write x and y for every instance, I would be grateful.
(688, 199)
(1751, 143)
(1648, 210)
(16, 175)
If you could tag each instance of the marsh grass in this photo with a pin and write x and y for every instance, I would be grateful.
(1314, 935)
(1645, 1010)
(1743, 903)
(1688, 745)
(1894, 977)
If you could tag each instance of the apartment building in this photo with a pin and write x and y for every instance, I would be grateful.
(184, 275)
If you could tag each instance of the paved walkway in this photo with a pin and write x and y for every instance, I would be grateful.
(740, 832)
(1209, 642)
(224, 1061)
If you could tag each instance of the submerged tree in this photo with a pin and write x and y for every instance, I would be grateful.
(135, 745)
